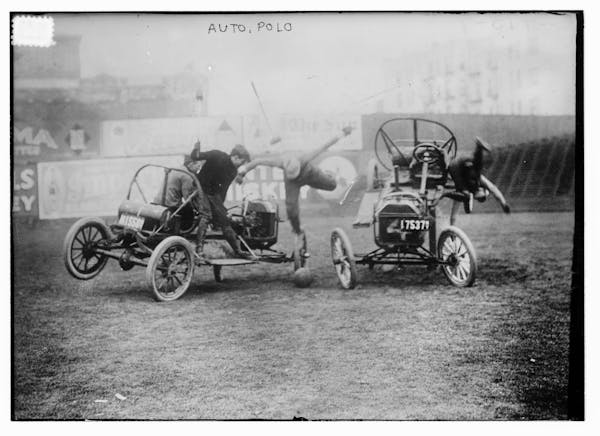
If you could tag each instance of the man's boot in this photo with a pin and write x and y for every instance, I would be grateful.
(300, 240)
(233, 242)
(200, 236)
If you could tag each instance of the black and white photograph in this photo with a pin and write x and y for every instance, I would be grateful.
(297, 216)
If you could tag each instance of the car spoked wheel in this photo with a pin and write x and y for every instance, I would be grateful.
(80, 255)
(343, 259)
(171, 268)
(458, 258)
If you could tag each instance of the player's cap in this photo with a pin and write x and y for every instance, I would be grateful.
(291, 168)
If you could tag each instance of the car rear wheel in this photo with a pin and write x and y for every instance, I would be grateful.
(170, 268)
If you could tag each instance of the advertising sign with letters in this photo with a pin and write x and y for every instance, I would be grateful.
(93, 187)
(300, 132)
(35, 142)
(25, 193)
(147, 137)
(266, 182)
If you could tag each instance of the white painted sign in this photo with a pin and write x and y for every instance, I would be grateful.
(163, 136)
(301, 132)
(71, 189)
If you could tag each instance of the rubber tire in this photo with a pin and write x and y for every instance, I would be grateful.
(347, 247)
(68, 247)
(299, 259)
(153, 263)
(470, 252)
(217, 272)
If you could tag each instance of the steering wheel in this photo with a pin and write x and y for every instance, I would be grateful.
(396, 134)
(428, 153)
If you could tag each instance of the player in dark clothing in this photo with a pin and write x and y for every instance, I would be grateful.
(215, 176)
(467, 177)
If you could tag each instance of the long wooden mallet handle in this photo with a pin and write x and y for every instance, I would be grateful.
(262, 108)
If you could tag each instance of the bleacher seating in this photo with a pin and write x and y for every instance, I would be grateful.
(500, 157)
(538, 169)
(510, 168)
(565, 184)
(549, 181)
(521, 174)
(537, 175)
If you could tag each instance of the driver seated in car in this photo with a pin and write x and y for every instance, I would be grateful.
(180, 186)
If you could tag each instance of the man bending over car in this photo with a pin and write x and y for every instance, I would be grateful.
(215, 176)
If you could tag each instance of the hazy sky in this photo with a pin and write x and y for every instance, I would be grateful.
(326, 62)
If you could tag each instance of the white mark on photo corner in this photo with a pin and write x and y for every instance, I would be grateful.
(35, 31)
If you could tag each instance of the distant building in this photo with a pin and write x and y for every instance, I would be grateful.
(480, 78)
(54, 67)
(53, 75)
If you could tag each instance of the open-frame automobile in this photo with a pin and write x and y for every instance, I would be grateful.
(402, 207)
(149, 234)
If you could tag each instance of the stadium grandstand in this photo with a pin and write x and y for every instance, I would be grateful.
(536, 175)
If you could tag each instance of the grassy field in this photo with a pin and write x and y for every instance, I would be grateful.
(402, 345)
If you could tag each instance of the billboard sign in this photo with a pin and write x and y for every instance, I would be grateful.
(37, 141)
(267, 182)
(94, 187)
(300, 132)
(165, 136)
(25, 193)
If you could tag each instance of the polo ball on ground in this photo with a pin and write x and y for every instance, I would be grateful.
(303, 277)
(389, 268)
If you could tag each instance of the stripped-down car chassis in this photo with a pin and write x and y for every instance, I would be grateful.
(149, 234)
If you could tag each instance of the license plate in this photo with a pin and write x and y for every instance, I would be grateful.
(413, 225)
(132, 221)
(407, 225)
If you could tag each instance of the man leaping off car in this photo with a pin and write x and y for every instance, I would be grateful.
(298, 171)
(468, 179)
